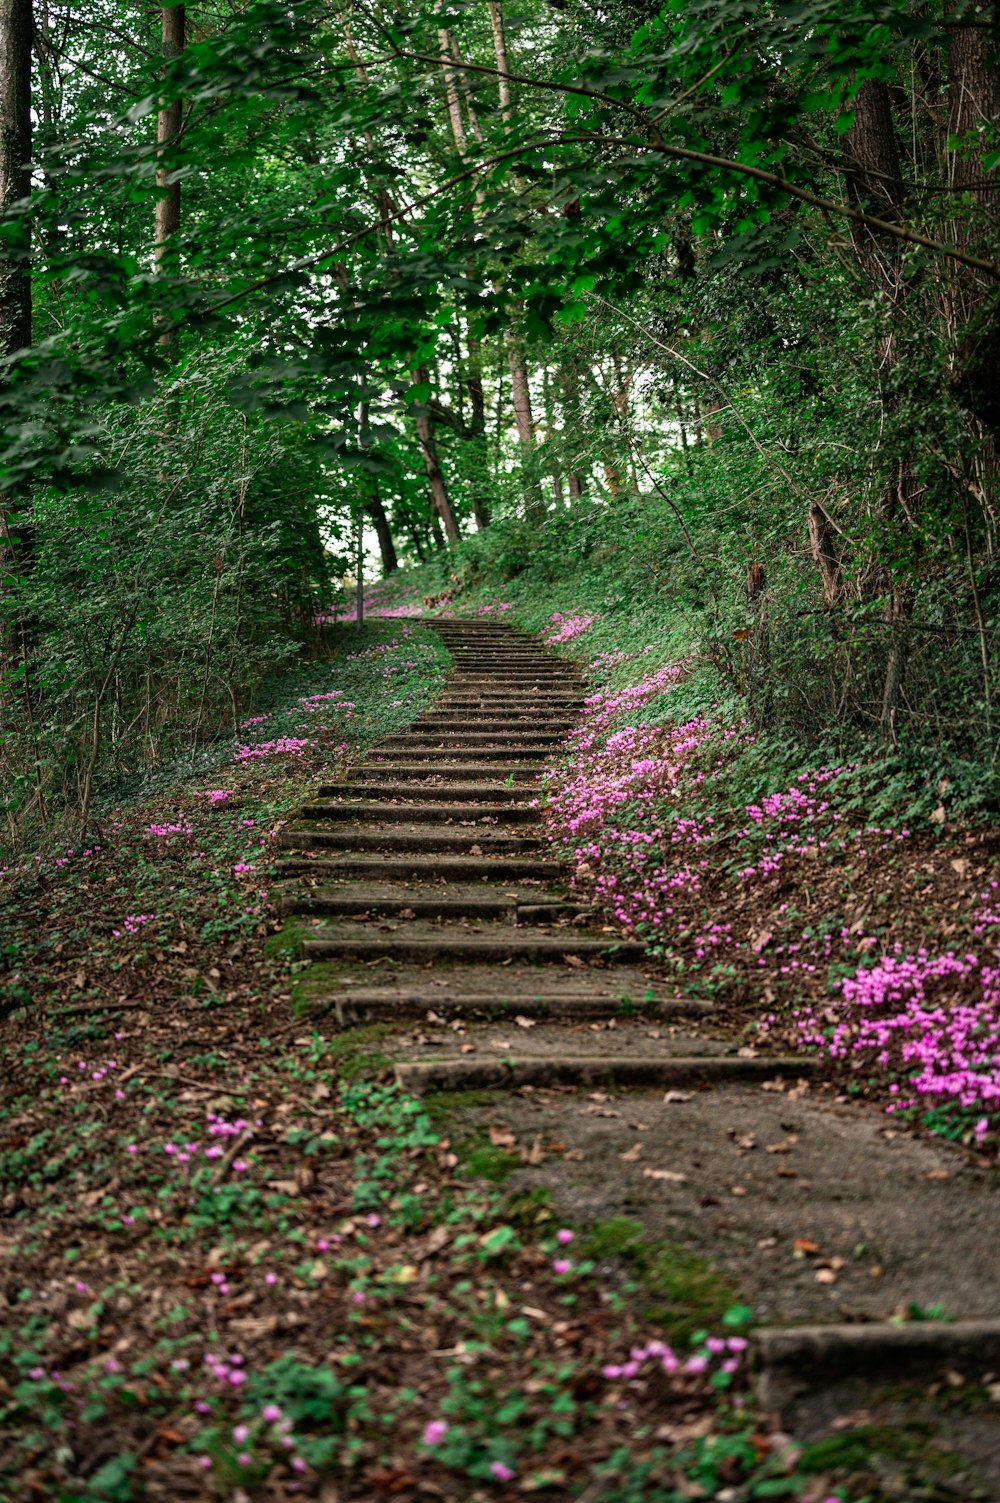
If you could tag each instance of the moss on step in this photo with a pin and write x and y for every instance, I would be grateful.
(287, 942)
(687, 1293)
(356, 1052)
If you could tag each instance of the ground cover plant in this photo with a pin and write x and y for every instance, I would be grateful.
(667, 334)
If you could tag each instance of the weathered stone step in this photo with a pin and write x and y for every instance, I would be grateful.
(500, 699)
(433, 813)
(467, 1074)
(485, 795)
(483, 903)
(489, 722)
(514, 740)
(527, 772)
(526, 756)
(415, 866)
(788, 1360)
(397, 837)
(362, 1004)
(415, 944)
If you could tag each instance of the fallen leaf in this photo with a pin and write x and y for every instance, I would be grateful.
(631, 1155)
(939, 815)
(805, 1247)
(938, 1174)
(502, 1137)
(671, 1175)
(575, 962)
(523, 1022)
(825, 1276)
(739, 1190)
(672, 1097)
(762, 940)
(475, 850)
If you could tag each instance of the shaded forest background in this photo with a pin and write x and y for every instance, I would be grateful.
(690, 312)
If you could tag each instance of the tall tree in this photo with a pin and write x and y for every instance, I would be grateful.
(168, 129)
(16, 532)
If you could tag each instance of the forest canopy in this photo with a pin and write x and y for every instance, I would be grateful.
(702, 298)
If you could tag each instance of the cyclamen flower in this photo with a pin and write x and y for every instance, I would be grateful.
(435, 1432)
(502, 1472)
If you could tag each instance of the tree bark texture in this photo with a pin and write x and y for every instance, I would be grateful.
(17, 537)
(386, 547)
(168, 129)
(16, 32)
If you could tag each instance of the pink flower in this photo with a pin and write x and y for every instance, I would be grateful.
(502, 1472)
(435, 1432)
(564, 1236)
(271, 1413)
(561, 1265)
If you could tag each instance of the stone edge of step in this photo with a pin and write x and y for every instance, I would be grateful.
(787, 1360)
(421, 1077)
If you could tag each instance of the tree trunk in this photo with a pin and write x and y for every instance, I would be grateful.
(875, 181)
(17, 538)
(824, 551)
(435, 475)
(168, 128)
(574, 422)
(477, 429)
(495, 9)
(386, 546)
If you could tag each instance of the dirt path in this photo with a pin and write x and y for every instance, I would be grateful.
(428, 906)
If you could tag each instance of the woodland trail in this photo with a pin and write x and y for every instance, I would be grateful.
(425, 901)
(428, 869)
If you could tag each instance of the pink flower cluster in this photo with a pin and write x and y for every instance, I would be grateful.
(286, 746)
(934, 1017)
(566, 628)
(133, 923)
(726, 1350)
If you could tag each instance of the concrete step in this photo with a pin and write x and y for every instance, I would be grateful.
(513, 740)
(484, 795)
(525, 774)
(373, 1003)
(483, 903)
(431, 813)
(470, 1074)
(525, 756)
(418, 866)
(416, 943)
(400, 837)
(488, 721)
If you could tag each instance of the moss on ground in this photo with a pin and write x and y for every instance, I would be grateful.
(686, 1292)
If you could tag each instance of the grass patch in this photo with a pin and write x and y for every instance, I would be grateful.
(687, 1292)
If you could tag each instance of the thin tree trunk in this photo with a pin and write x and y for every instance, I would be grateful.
(477, 427)
(875, 180)
(495, 9)
(17, 538)
(386, 547)
(435, 475)
(168, 128)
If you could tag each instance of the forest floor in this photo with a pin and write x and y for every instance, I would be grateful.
(239, 1262)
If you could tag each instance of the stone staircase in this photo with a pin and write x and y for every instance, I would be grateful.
(423, 886)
